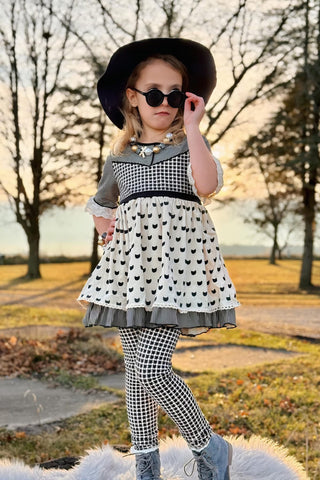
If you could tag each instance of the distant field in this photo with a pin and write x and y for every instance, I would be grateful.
(256, 281)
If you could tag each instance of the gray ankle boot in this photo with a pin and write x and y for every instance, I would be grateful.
(148, 465)
(214, 460)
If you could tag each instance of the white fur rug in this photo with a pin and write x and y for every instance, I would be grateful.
(254, 459)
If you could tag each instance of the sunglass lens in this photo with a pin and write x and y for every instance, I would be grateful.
(176, 99)
(154, 98)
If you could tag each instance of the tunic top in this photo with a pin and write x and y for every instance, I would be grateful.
(163, 266)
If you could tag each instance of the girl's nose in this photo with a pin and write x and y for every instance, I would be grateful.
(165, 101)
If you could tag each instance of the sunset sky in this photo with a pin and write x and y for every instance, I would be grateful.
(69, 232)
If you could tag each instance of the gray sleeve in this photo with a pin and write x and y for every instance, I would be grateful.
(108, 191)
(105, 201)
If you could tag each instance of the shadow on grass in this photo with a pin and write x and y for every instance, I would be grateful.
(40, 295)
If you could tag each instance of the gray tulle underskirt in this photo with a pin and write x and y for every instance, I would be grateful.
(191, 323)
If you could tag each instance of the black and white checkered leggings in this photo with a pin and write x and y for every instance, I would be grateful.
(150, 382)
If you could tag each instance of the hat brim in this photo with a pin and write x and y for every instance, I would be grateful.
(196, 58)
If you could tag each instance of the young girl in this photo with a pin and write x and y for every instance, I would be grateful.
(161, 273)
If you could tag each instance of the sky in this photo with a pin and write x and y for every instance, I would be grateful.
(69, 231)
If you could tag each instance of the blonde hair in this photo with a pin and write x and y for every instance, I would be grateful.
(132, 122)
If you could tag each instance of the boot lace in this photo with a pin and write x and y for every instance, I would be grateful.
(185, 468)
(204, 466)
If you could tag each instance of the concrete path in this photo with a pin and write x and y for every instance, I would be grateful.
(32, 402)
(293, 321)
(201, 359)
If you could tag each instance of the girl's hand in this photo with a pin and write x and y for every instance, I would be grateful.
(194, 109)
(109, 232)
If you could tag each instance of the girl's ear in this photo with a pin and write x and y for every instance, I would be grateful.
(132, 97)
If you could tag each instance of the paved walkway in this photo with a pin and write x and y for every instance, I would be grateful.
(221, 357)
(300, 321)
(25, 402)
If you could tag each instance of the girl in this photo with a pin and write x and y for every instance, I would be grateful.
(161, 274)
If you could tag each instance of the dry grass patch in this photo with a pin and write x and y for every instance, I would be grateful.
(259, 283)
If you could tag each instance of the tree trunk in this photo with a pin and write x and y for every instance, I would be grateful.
(275, 248)
(34, 257)
(94, 253)
(272, 259)
(309, 228)
(310, 180)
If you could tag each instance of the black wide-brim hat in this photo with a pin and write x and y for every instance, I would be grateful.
(196, 57)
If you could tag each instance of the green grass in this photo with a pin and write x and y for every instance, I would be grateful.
(81, 382)
(278, 401)
(250, 338)
(12, 316)
(72, 437)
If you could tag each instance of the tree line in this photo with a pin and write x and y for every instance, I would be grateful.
(54, 130)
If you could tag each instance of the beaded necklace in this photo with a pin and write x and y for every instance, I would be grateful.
(146, 150)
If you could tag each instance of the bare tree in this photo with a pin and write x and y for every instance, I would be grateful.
(34, 48)
(278, 207)
(272, 218)
(291, 137)
(85, 132)
(310, 149)
(255, 59)
(164, 18)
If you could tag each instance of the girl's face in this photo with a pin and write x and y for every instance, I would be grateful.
(155, 120)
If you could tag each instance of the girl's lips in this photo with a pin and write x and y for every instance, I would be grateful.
(162, 113)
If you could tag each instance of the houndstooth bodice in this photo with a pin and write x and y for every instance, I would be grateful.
(170, 175)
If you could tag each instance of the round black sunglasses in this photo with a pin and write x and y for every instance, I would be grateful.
(154, 97)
